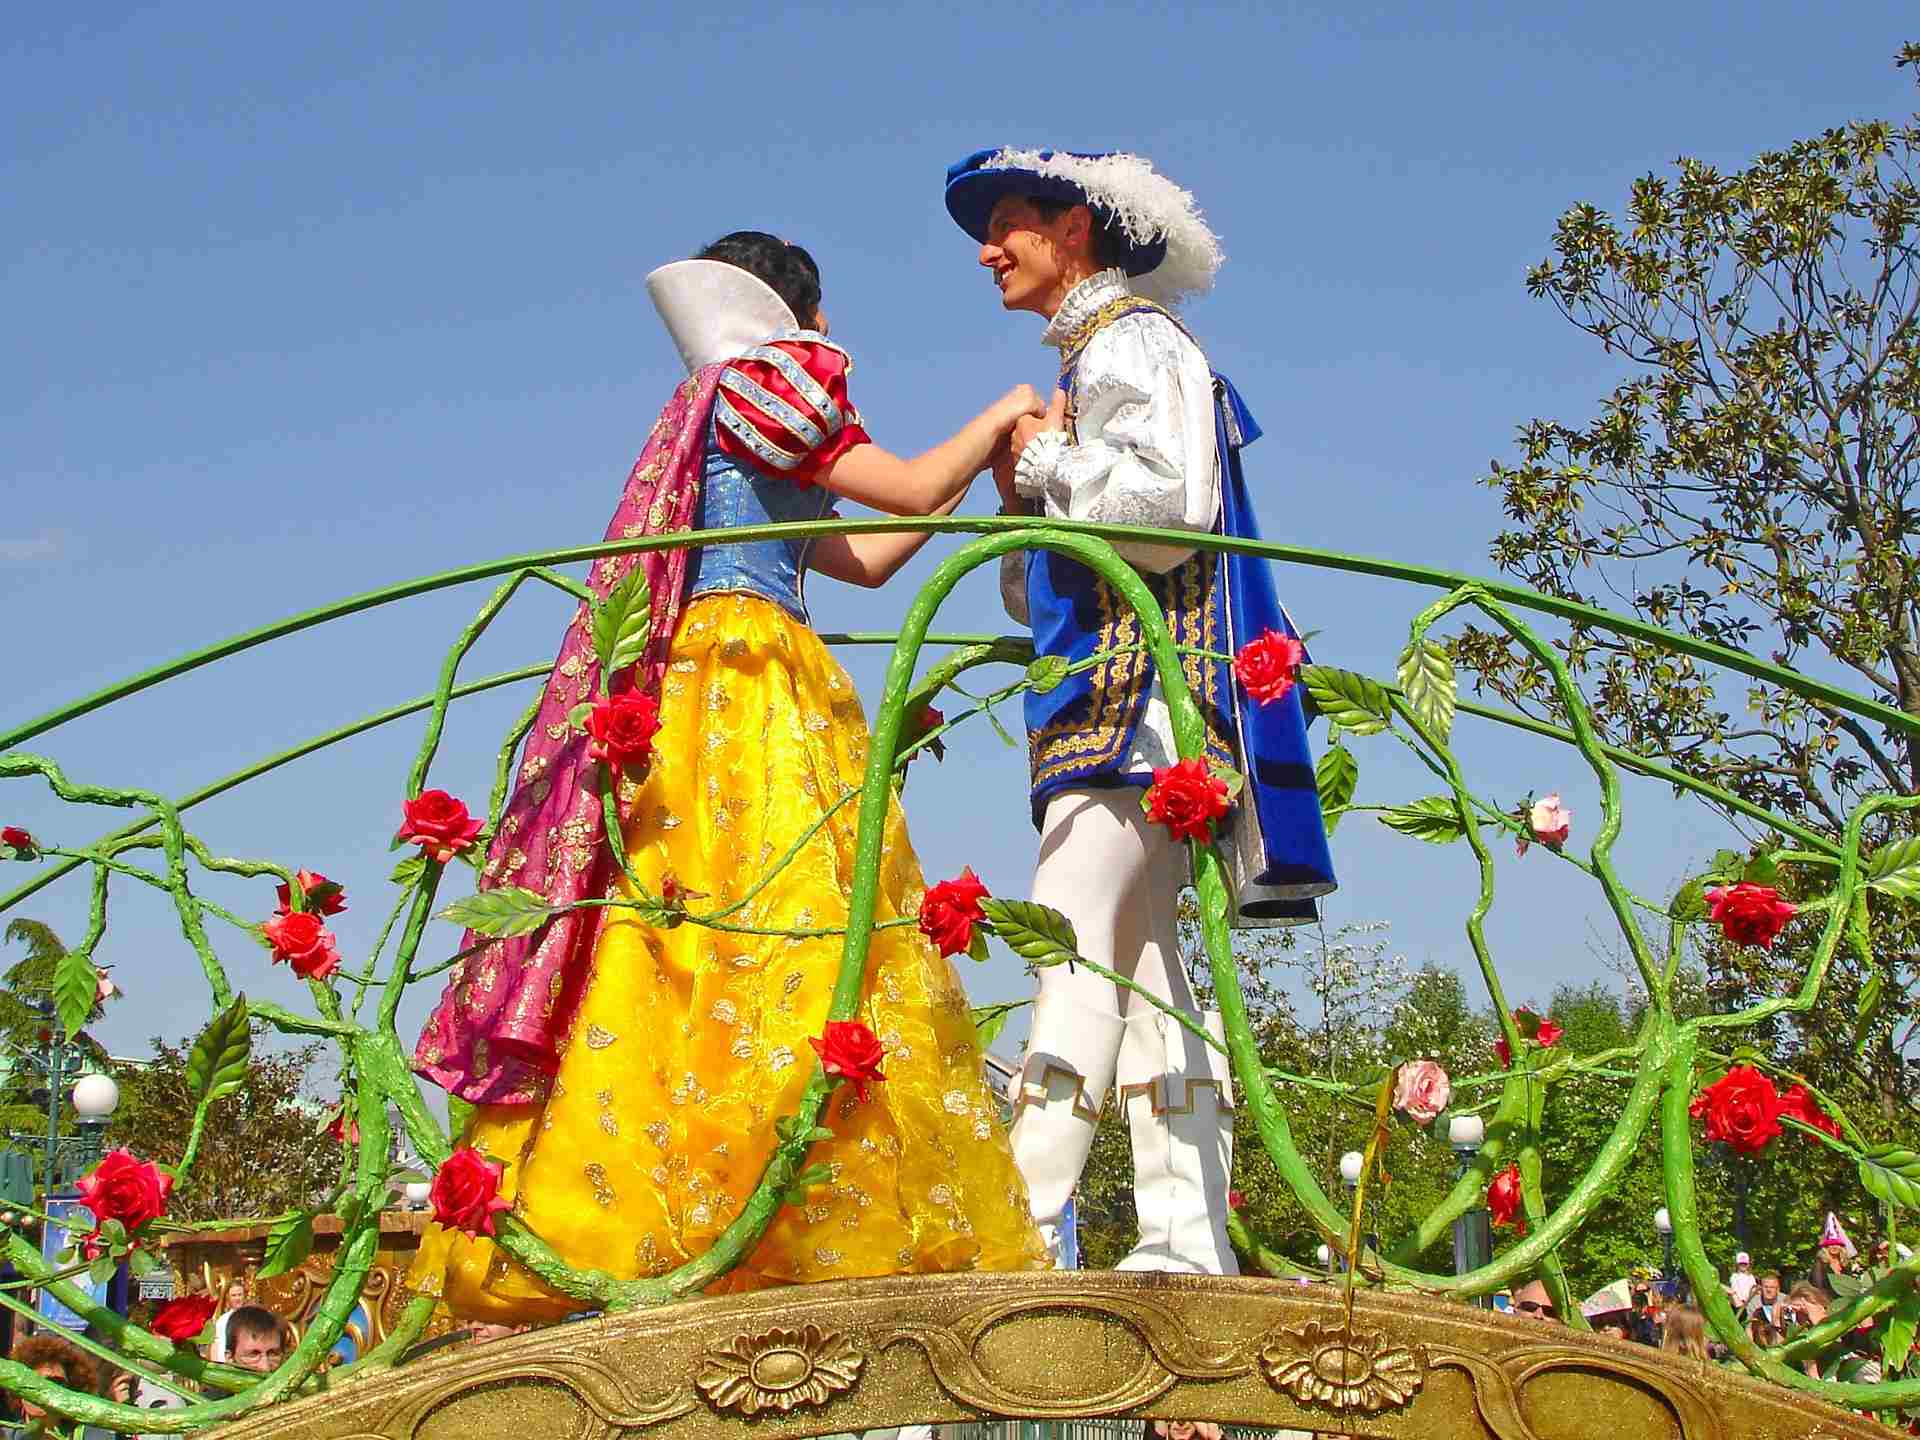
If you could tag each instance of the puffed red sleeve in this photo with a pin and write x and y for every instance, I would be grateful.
(783, 408)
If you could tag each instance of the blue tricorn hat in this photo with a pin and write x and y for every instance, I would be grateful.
(1165, 244)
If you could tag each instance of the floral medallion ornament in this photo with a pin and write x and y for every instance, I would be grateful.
(1332, 1367)
(780, 1370)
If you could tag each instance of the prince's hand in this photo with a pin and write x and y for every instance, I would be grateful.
(1026, 427)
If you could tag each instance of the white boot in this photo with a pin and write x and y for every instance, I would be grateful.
(1177, 1095)
(1057, 1097)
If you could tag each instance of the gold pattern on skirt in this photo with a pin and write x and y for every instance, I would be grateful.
(660, 1123)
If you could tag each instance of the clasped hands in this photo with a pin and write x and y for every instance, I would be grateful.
(1030, 418)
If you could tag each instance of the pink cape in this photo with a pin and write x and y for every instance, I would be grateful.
(495, 1037)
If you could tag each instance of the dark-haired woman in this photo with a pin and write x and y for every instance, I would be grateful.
(632, 1075)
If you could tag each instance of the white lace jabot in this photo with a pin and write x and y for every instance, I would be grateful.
(1085, 298)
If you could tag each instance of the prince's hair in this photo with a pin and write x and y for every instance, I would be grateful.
(788, 270)
(1108, 244)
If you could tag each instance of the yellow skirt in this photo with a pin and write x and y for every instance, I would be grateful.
(690, 1043)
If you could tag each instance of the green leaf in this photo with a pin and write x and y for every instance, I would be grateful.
(510, 910)
(1046, 673)
(460, 1114)
(977, 947)
(990, 1020)
(622, 622)
(75, 985)
(1690, 903)
(1336, 777)
(1727, 865)
(1000, 730)
(577, 717)
(1896, 1340)
(101, 1270)
(1762, 869)
(1891, 1174)
(1869, 998)
(1228, 776)
(408, 872)
(1895, 869)
(1349, 700)
(1436, 819)
(217, 1064)
(1426, 679)
(289, 1242)
(1038, 934)
(142, 1263)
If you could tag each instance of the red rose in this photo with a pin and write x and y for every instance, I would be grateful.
(23, 845)
(1235, 1200)
(1801, 1106)
(1548, 1033)
(298, 937)
(950, 910)
(183, 1319)
(1741, 1108)
(321, 895)
(1749, 914)
(1505, 1054)
(931, 718)
(439, 825)
(852, 1051)
(466, 1192)
(1504, 1199)
(622, 730)
(1187, 798)
(1266, 668)
(342, 1128)
(125, 1189)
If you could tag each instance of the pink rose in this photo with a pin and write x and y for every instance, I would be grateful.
(1548, 822)
(1421, 1090)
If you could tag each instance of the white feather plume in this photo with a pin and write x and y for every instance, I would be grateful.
(1147, 206)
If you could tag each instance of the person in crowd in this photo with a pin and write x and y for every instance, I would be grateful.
(1830, 1269)
(1641, 1327)
(1742, 1282)
(234, 1298)
(1766, 1303)
(1765, 1335)
(53, 1359)
(1807, 1306)
(256, 1339)
(1531, 1299)
(1686, 1331)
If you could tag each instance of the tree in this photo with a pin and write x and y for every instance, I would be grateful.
(26, 1031)
(265, 1150)
(1751, 483)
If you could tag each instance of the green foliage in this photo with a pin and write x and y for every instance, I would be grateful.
(1426, 679)
(506, 911)
(1436, 819)
(289, 1243)
(217, 1064)
(1038, 934)
(1350, 700)
(622, 622)
(1336, 776)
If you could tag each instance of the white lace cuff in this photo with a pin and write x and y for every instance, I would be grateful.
(1038, 462)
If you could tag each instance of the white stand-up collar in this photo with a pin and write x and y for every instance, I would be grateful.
(1085, 298)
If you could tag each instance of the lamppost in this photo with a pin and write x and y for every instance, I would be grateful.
(1473, 1230)
(1325, 1256)
(1663, 1222)
(55, 1065)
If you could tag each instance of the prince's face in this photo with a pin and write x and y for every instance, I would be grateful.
(1026, 254)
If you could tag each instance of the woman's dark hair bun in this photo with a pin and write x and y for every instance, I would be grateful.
(788, 270)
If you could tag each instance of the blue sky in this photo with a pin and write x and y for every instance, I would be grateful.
(305, 300)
